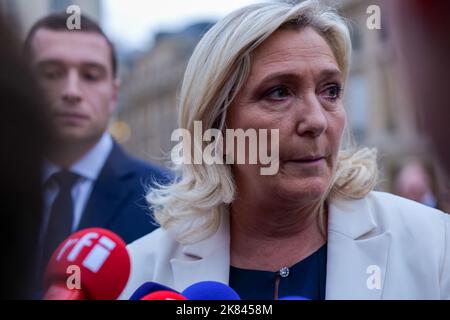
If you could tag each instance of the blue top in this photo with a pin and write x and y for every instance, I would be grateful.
(306, 278)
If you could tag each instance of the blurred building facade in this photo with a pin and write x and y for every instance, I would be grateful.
(379, 104)
(380, 112)
(148, 111)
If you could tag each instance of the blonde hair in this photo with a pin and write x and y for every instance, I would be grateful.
(191, 206)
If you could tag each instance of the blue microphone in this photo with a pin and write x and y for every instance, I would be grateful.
(210, 290)
(147, 288)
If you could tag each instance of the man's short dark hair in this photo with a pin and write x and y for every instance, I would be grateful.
(58, 22)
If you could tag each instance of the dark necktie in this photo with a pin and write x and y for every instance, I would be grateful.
(61, 214)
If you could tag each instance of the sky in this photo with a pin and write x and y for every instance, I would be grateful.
(132, 23)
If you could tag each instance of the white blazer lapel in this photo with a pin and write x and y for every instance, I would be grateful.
(207, 260)
(357, 255)
(354, 249)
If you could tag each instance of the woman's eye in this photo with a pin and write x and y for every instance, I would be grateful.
(278, 93)
(333, 92)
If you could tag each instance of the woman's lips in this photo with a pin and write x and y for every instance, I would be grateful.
(308, 162)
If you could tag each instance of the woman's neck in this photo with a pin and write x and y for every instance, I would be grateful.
(271, 237)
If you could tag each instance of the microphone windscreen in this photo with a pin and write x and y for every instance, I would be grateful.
(147, 288)
(210, 290)
(95, 261)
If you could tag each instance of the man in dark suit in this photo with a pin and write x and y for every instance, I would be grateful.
(89, 181)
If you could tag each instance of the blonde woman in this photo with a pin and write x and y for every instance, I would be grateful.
(315, 228)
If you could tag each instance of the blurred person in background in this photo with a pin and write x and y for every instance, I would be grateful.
(416, 182)
(89, 180)
(24, 140)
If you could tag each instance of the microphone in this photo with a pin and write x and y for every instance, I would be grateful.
(164, 295)
(91, 264)
(148, 288)
(210, 290)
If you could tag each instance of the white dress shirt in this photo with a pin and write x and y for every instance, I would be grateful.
(88, 168)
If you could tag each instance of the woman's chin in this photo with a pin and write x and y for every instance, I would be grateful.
(302, 189)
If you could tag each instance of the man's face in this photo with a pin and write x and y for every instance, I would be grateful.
(75, 71)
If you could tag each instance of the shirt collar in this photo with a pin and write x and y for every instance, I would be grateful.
(90, 165)
(49, 170)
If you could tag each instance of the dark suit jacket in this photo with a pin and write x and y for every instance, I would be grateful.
(117, 201)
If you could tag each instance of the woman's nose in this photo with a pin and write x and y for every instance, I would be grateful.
(310, 116)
